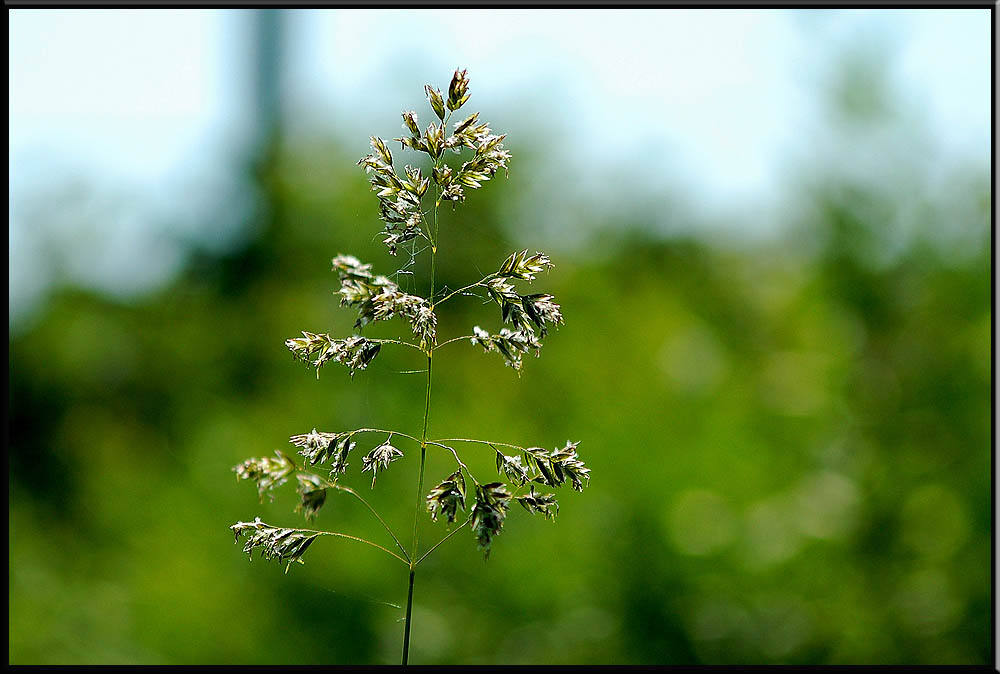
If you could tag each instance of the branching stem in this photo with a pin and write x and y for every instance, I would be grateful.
(355, 538)
(358, 496)
(434, 547)
(481, 442)
(453, 339)
(333, 485)
(423, 436)
(381, 430)
(457, 458)
(396, 341)
(404, 208)
(460, 290)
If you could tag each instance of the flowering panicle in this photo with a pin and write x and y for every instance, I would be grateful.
(545, 504)
(377, 298)
(434, 98)
(410, 122)
(319, 447)
(541, 310)
(513, 468)
(416, 310)
(489, 154)
(312, 495)
(524, 312)
(509, 344)
(268, 473)
(348, 266)
(379, 459)
(458, 90)
(399, 198)
(274, 542)
(423, 322)
(409, 198)
(492, 503)
(354, 352)
(523, 268)
(447, 497)
(271, 473)
(559, 465)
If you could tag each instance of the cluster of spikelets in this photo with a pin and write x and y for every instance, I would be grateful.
(400, 196)
(377, 298)
(525, 318)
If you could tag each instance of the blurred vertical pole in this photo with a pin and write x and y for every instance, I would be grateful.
(268, 59)
(264, 59)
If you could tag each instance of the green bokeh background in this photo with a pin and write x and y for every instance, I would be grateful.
(789, 439)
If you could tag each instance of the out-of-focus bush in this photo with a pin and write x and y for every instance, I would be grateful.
(790, 445)
(789, 439)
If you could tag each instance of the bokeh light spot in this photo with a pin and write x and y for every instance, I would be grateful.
(701, 523)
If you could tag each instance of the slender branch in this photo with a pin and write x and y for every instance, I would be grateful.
(355, 538)
(434, 547)
(457, 458)
(396, 341)
(426, 235)
(468, 287)
(380, 430)
(481, 442)
(453, 339)
(327, 484)
(374, 512)
(409, 615)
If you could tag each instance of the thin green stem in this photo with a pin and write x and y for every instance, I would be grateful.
(382, 430)
(423, 458)
(396, 341)
(481, 442)
(375, 513)
(460, 290)
(419, 499)
(358, 539)
(453, 339)
(427, 234)
(333, 485)
(457, 458)
(427, 409)
(409, 613)
(434, 547)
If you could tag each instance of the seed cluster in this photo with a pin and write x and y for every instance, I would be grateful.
(408, 201)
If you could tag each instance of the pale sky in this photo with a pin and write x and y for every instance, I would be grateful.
(149, 105)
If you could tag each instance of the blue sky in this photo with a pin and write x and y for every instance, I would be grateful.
(148, 106)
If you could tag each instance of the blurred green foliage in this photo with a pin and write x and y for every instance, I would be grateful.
(789, 443)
